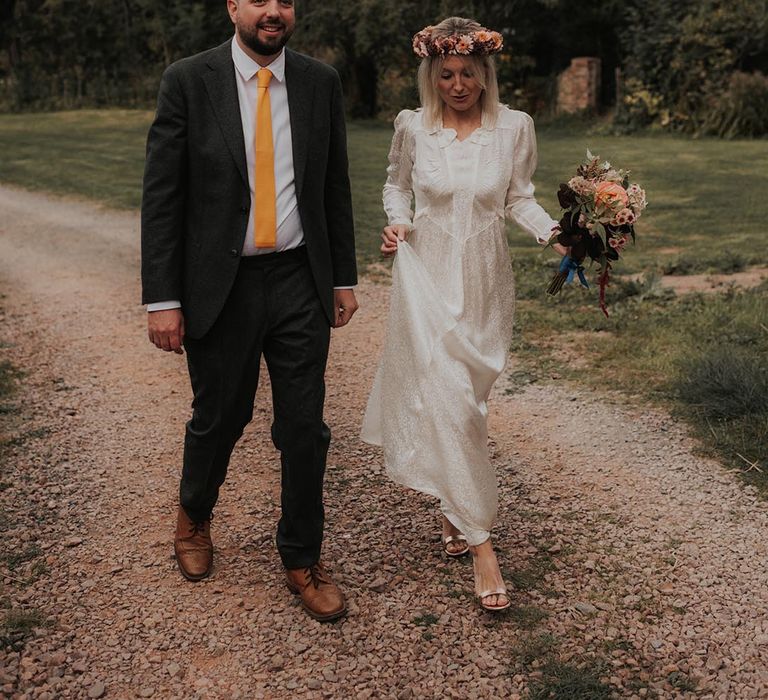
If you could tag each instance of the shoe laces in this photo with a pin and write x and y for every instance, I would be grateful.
(199, 527)
(315, 575)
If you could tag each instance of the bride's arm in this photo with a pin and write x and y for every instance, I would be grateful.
(521, 205)
(398, 191)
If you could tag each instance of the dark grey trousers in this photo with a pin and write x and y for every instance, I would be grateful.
(273, 310)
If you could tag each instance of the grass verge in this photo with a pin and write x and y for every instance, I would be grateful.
(17, 626)
(704, 357)
(565, 682)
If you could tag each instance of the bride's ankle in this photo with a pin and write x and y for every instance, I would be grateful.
(482, 550)
(448, 527)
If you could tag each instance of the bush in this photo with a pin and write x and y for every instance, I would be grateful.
(726, 389)
(742, 111)
(725, 383)
(679, 58)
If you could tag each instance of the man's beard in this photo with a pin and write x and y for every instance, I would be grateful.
(250, 37)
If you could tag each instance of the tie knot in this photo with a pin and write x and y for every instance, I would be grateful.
(264, 76)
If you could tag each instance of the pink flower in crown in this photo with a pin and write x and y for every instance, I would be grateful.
(498, 41)
(484, 36)
(464, 45)
(422, 42)
(420, 45)
(444, 45)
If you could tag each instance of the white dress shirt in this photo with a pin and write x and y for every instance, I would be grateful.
(289, 231)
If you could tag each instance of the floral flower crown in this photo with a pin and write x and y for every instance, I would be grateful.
(482, 42)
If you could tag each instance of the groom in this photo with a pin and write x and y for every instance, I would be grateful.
(248, 250)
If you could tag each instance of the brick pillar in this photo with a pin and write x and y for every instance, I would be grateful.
(578, 87)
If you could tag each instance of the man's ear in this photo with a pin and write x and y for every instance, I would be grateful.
(232, 7)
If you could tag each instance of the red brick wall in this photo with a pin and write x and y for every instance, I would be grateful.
(578, 87)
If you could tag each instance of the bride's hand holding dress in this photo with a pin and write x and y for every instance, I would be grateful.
(391, 236)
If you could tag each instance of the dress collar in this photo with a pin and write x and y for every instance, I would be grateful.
(247, 67)
(446, 135)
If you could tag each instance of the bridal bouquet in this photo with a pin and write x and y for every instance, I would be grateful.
(600, 208)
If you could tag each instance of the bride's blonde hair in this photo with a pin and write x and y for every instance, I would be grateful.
(482, 69)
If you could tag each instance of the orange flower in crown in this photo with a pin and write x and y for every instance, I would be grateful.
(482, 42)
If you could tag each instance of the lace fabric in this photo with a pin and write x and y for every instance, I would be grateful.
(451, 307)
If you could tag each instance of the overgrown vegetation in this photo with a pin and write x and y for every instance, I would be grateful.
(691, 65)
(65, 54)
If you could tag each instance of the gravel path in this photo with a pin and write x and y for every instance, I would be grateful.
(632, 557)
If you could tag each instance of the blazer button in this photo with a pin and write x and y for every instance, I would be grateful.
(234, 253)
(243, 210)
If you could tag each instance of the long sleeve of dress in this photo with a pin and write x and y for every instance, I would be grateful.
(521, 205)
(398, 189)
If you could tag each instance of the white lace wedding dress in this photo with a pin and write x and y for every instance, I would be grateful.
(452, 306)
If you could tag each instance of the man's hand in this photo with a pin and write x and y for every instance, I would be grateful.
(390, 236)
(344, 306)
(166, 330)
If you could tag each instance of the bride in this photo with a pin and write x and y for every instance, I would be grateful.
(467, 161)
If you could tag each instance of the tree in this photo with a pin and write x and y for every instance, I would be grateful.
(680, 58)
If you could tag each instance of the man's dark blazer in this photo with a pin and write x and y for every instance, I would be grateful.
(196, 200)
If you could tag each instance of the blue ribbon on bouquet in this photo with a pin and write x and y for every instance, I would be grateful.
(569, 265)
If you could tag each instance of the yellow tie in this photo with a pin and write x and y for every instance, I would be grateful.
(265, 207)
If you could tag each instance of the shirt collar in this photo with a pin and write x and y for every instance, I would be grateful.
(247, 67)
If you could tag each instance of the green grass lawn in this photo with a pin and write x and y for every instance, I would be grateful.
(705, 214)
(706, 197)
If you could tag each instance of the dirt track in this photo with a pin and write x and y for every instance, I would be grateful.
(632, 556)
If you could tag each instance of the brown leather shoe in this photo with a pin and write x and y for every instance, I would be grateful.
(320, 596)
(193, 547)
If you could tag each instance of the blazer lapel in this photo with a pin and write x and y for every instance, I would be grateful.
(300, 96)
(222, 91)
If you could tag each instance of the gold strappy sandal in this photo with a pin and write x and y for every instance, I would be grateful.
(499, 591)
(454, 553)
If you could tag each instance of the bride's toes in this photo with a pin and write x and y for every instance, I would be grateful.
(453, 547)
(454, 543)
(496, 601)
